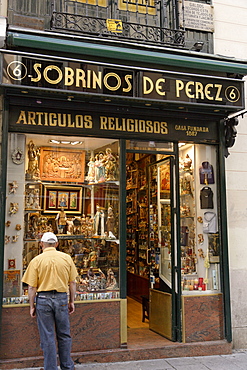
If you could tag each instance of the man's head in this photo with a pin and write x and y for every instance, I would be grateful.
(49, 240)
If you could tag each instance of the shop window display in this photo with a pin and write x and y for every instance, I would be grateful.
(73, 193)
(200, 245)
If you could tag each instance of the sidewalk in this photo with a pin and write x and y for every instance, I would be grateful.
(236, 361)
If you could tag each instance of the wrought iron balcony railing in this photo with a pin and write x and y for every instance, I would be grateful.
(133, 32)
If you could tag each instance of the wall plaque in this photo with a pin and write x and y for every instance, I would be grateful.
(197, 16)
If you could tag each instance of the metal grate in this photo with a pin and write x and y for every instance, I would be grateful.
(144, 21)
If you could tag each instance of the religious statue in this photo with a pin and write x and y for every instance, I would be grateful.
(33, 172)
(110, 165)
(110, 223)
(99, 221)
(91, 171)
(61, 221)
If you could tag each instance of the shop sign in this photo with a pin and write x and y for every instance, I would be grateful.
(89, 123)
(196, 16)
(121, 82)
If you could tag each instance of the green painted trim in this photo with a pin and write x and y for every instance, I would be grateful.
(223, 227)
(122, 220)
(178, 303)
(182, 59)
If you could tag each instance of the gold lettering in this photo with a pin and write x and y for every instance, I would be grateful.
(188, 89)
(164, 128)
(147, 82)
(130, 125)
(103, 122)
(207, 92)
(88, 78)
(179, 87)
(142, 126)
(39, 115)
(199, 90)
(50, 68)
(59, 120)
(118, 126)
(97, 80)
(127, 79)
(88, 122)
(70, 123)
(80, 76)
(46, 118)
(35, 67)
(158, 87)
(112, 88)
(219, 88)
(79, 121)
(136, 125)
(111, 125)
(31, 118)
(149, 127)
(156, 127)
(52, 119)
(68, 76)
(22, 117)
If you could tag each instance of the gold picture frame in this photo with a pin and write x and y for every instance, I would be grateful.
(67, 197)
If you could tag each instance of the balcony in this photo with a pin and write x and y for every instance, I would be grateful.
(129, 32)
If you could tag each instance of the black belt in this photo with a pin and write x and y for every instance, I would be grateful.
(51, 292)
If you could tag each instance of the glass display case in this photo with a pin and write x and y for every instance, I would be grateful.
(200, 242)
(75, 194)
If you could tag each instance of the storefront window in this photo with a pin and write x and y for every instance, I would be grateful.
(200, 246)
(149, 145)
(69, 186)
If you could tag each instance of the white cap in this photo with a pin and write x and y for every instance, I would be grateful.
(49, 238)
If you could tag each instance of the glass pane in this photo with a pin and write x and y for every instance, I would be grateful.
(149, 145)
(200, 242)
(70, 186)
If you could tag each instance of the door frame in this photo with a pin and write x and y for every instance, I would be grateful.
(176, 261)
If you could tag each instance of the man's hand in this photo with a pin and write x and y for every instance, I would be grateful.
(72, 290)
(33, 311)
(71, 308)
(31, 295)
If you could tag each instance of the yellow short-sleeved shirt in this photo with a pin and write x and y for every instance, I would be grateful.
(51, 270)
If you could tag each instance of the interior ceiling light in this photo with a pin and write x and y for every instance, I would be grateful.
(65, 142)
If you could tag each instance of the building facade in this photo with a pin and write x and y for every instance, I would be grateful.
(230, 30)
(117, 125)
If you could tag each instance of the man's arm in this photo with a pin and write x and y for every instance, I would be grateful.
(72, 290)
(31, 295)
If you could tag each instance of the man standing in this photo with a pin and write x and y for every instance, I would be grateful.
(49, 277)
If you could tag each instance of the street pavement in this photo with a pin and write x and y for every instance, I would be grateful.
(236, 361)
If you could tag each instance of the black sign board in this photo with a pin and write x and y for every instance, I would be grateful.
(107, 124)
(82, 77)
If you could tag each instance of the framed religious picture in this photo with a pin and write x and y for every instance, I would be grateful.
(62, 164)
(67, 197)
(11, 283)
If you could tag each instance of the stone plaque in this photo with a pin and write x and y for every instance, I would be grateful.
(197, 16)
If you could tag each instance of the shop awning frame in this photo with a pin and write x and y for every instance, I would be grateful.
(162, 57)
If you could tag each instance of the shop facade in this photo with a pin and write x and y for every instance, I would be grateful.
(125, 163)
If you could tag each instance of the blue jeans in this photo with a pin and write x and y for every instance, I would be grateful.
(53, 322)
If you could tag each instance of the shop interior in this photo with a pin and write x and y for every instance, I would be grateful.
(70, 185)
